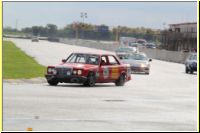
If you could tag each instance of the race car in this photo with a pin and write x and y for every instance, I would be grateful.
(88, 69)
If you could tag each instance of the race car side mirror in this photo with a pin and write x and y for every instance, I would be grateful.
(64, 60)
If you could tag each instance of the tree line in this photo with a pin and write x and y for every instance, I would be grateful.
(88, 31)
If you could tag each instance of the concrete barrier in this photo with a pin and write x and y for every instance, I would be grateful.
(103, 45)
(171, 56)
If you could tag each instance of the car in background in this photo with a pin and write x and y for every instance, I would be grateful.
(35, 39)
(137, 45)
(139, 62)
(191, 63)
(151, 45)
(124, 50)
(88, 69)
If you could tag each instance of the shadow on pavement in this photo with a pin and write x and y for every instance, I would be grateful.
(82, 86)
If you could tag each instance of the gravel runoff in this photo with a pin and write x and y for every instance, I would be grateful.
(165, 100)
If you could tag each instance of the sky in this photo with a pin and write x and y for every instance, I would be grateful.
(155, 15)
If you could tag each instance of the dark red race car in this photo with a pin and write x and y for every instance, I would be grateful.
(88, 69)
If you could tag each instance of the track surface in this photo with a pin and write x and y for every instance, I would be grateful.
(165, 100)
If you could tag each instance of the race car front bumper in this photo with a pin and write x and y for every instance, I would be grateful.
(139, 69)
(66, 79)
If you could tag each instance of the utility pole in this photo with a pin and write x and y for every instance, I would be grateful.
(16, 24)
(77, 32)
(117, 33)
(76, 27)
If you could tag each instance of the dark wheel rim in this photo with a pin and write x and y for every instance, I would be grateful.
(122, 78)
(91, 80)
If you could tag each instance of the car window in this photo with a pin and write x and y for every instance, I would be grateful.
(71, 59)
(103, 60)
(83, 58)
(80, 59)
(93, 60)
(112, 60)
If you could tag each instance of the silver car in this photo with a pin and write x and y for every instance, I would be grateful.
(191, 63)
(138, 62)
(35, 39)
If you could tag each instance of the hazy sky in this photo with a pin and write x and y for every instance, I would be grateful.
(132, 14)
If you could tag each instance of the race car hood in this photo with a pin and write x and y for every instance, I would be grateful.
(76, 66)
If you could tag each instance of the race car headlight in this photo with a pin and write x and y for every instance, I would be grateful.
(74, 71)
(51, 70)
(143, 65)
(79, 72)
(54, 71)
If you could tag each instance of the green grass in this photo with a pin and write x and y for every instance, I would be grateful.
(14, 33)
(17, 64)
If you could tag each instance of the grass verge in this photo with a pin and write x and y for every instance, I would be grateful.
(17, 64)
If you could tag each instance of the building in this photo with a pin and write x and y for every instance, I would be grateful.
(180, 37)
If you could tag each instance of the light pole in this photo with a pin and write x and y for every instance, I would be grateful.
(117, 33)
(83, 15)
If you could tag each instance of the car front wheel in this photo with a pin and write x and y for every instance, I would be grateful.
(53, 82)
(120, 81)
(90, 80)
(186, 70)
(191, 71)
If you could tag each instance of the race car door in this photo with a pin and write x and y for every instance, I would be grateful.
(113, 67)
(104, 75)
(109, 69)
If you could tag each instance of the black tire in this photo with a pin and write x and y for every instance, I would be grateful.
(53, 82)
(186, 70)
(191, 71)
(147, 73)
(120, 81)
(91, 80)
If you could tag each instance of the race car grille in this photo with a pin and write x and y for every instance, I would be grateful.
(63, 71)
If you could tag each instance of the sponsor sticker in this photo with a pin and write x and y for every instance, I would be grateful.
(105, 72)
(114, 73)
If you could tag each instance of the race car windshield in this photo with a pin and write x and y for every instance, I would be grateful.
(84, 59)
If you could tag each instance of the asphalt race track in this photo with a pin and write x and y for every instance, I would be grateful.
(165, 100)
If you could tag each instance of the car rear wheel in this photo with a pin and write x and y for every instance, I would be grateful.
(120, 81)
(91, 80)
(191, 71)
(53, 82)
(186, 70)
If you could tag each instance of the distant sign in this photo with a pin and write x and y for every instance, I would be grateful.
(102, 28)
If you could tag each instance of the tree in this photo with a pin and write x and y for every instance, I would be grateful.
(51, 29)
(27, 30)
(35, 30)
